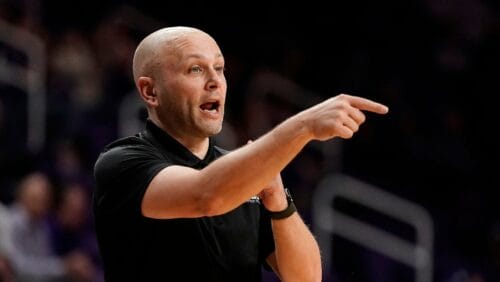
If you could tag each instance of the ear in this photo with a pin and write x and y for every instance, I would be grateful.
(147, 90)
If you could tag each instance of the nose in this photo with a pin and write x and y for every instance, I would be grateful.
(215, 80)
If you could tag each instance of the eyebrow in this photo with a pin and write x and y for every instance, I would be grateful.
(198, 56)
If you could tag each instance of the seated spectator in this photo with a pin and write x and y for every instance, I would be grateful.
(71, 228)
(6, 274)
(32, 256)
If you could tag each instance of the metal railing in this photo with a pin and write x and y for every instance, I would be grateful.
(29, 78)
(329, 221)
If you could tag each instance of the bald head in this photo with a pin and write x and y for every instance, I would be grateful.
(146, 56)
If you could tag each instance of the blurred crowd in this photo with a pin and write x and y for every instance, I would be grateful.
(435, 64)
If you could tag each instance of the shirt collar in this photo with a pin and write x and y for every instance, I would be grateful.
(178, 151)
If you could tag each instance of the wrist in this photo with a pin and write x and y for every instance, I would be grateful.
(303, 127)
(287, 212)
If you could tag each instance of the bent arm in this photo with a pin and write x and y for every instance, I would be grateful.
(178, 191)
(297, 255)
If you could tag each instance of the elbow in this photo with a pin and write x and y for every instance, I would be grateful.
(211, 205)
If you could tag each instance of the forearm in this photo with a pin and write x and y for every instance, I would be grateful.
(241, 174)
(229, 181)
(234, 178)
(297, 253)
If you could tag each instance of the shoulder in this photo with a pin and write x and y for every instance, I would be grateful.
(121, 147)
(123, 152)
(127, 142)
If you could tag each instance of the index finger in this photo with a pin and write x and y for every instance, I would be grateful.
(368, 105)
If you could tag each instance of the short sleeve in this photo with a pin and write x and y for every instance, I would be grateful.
(122, 175)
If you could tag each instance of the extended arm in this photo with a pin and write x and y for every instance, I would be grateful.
(232, 179)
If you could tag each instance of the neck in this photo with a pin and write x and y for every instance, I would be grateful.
(197, 145)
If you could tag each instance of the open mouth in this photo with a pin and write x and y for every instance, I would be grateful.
(211, 107)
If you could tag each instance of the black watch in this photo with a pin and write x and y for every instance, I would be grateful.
(290, 209)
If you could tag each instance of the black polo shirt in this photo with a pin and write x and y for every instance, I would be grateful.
(229, 247)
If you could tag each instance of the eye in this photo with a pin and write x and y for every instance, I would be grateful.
(196, 69)
(220, 69)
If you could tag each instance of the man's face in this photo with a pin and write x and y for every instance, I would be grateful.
(192, 87)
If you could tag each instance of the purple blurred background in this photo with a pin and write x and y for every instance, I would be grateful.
(66, 90)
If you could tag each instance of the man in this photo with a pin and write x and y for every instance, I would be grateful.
(169, 204)
(30, 253)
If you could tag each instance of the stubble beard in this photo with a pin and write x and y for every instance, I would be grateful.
(211, 128)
